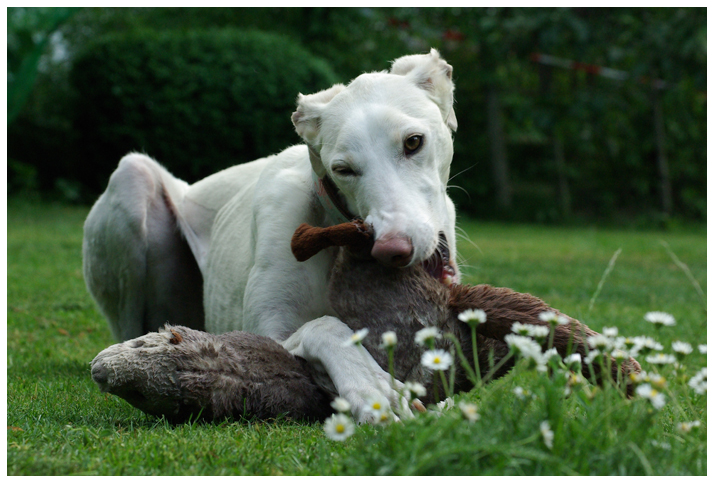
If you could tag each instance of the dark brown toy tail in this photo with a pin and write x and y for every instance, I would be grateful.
(504, 307)
(308, 240)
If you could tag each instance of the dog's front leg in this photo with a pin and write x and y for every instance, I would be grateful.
(355, 375)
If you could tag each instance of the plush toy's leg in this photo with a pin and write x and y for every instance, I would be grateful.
(504, 307)
(179, 373)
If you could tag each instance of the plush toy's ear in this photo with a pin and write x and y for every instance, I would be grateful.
(431, 73)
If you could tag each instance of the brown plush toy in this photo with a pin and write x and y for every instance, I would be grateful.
(179, 372)
(366, 294)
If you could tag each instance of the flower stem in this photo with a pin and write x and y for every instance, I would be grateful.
(463, 359)
(494, 369)
(551, 335)
(391, 365)
(477, 372)
(444, 383)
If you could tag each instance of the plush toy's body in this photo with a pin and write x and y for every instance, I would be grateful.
(179, 372)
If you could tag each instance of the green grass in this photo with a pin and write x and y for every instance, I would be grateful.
(59, 423)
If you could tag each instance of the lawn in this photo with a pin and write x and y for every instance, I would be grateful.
(59, 423)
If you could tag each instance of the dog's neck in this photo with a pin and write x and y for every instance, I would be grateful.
(328, 194)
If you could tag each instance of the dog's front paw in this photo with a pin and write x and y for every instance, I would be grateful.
(380, 400)
(142, 371)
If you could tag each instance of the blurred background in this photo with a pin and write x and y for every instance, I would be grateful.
(582, 115)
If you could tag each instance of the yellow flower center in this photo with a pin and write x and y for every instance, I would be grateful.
(340, 428)
(376, 406)
(437, 360)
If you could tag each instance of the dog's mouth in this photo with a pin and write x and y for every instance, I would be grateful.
(438, 265)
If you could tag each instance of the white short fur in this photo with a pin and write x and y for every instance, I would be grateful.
(239, 222)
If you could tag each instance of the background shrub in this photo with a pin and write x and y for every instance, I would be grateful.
(153, 91)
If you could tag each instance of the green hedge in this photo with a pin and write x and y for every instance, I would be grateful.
(196, 101)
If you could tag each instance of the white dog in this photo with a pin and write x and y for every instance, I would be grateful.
(379, 148)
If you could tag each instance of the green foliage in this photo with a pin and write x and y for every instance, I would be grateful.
(606, 127)
(29, 32)
(198, 101)
(59, 423)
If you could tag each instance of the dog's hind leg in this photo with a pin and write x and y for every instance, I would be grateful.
(137, 265)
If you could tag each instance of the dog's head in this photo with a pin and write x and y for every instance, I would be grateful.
(385, 140)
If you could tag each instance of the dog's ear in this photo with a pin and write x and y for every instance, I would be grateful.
(431, 73)
(306, 118)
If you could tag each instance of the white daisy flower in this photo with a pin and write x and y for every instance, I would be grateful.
(600, 342)
(659, 318)
(646, 344)
(686, 427)
(574, 358)
(547, 316)
(469, 411)
(653, 378)
(340, 405)
(699, 382)
(627, 343)
(575, 379)
(383, 417)
(620, 355)
(591, 357)
(415, 389)
(520, 329)
(523, 345)
(619, 342)
(357, 337)
(657, 381)
(445, 404)
(522, 393)
(473, 317)
(547, 434)
(552, 318)
(682, 348)
(389, 340)
(551, 353)
(426, 336)
(539, 333)
(703, 349)
(562, 320)
(339, 427)
(660, 359)
(656, 398)
(610, 332)
(378, 408)
(639, 377)
(436, 359)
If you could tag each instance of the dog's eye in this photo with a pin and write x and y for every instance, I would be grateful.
(412, 144)
(344, 171)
